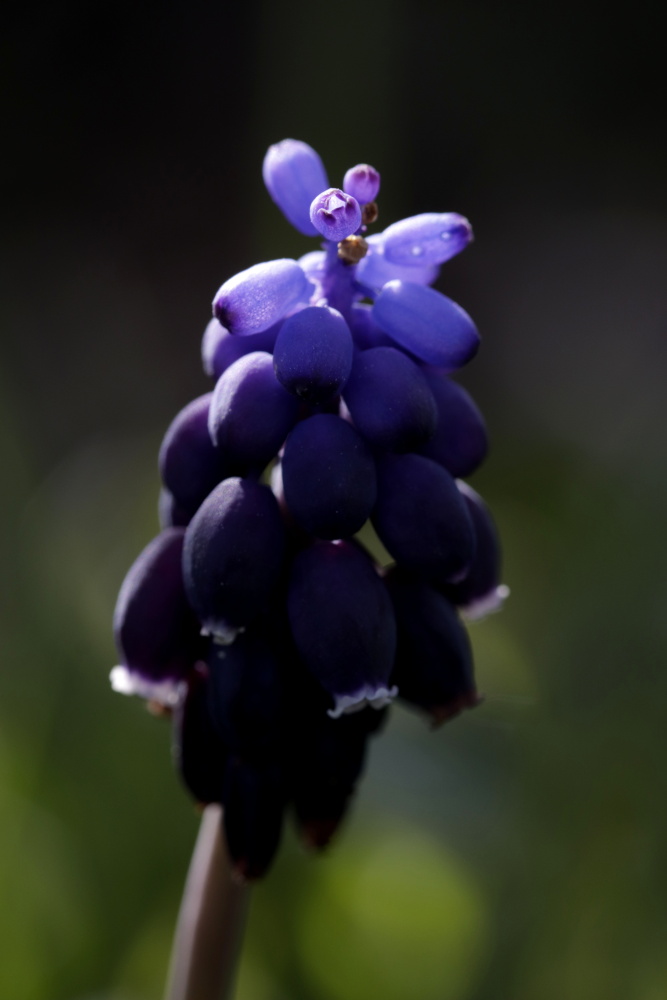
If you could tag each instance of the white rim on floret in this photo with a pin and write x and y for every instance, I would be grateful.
(222, 635)
(486, 605)
(376, 697)
(167, 692)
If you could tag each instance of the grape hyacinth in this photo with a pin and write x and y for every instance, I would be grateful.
(257, 617)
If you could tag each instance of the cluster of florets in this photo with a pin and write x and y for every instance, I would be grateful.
(257, 615)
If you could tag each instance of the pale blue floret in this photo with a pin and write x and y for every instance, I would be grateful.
(430, 238)
(427, 324)
(294, 174)
(255, 299)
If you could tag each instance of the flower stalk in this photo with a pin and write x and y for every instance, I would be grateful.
(211, 921)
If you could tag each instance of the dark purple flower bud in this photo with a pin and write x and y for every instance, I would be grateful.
(220, 348)
(374, 271)
(255, 299)
(312, 357)
(342, 623)
(389, 400)
(327, 760)
(335, 214)
(426, 239)
(251, 414)
(362, 182)
(460, 442)
(156, 632)
(189, 462)
(480, 592)
(433, 669)
(232, 556)
(421, 518)
(294, 175)
(328, 477)
(245, 695)
(254, 799)
(199, 754)
(427, 324)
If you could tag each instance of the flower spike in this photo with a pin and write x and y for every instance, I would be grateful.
(279, 640)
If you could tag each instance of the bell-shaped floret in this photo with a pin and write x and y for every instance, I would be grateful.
(362, 182)
(258, 297)
(312, 357)
(328, 477)
(421, 518)
(434, 669)
(232, 556)
(389, 400)
(294, 174)
(220, 348)
(254, 800)
(156, 632)
(189, 462)
(335, 214)
(343, 624)
(427, 324)
(480, 592)
(327, 759)
(245, 693)
(460, 442)
(251, 414)
(199, 754)
(430, 238)
(374, 270)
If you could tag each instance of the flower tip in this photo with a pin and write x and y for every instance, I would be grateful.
(443, 713)
(317, 834)
(241, 874)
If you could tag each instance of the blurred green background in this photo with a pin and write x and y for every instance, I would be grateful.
(518, 852)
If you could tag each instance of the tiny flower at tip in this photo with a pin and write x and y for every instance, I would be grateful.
(335, 214)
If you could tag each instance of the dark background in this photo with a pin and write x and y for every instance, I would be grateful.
(519, 852)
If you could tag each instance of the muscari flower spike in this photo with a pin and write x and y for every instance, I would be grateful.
(257, 614)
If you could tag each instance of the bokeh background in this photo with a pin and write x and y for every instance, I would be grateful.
(520, 851)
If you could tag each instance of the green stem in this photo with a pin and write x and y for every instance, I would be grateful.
(211, 921)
